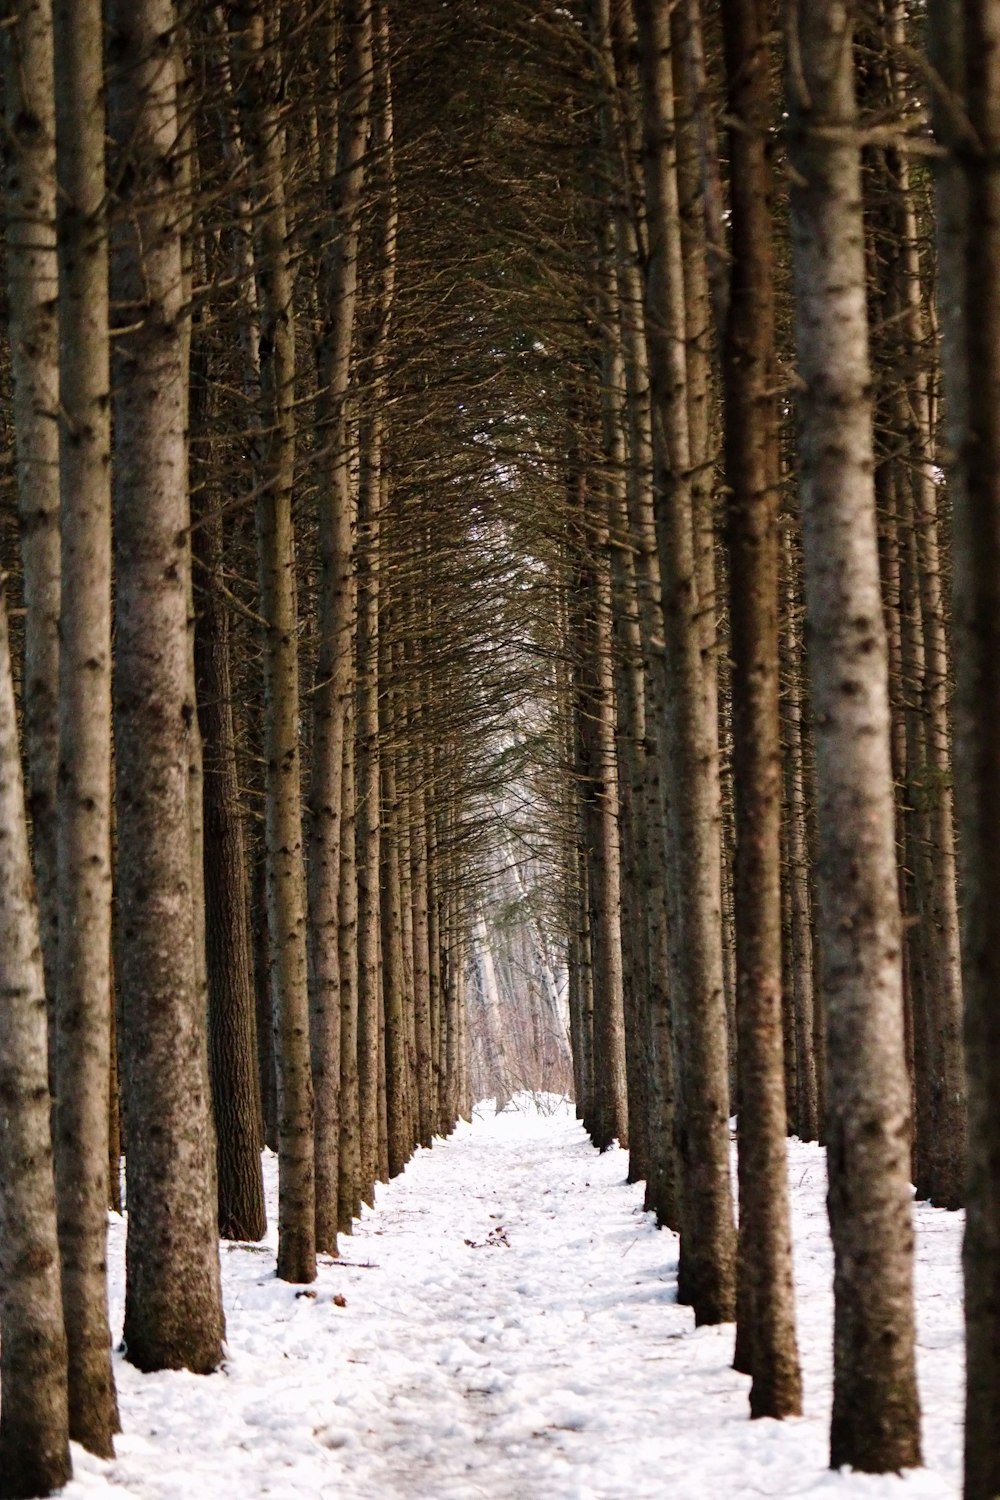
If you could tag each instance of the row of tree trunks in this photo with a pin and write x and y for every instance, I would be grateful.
(812, 1042)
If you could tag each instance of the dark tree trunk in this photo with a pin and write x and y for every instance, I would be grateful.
(765, 1300)
(232, 1029)
(965, 48)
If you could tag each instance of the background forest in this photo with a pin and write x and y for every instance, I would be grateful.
(502, 553)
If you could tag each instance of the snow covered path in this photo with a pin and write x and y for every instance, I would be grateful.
(510, 1333)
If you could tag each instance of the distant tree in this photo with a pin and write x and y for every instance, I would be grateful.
(690, 730)
(258, 84)
(232, 1041)
(336, 602)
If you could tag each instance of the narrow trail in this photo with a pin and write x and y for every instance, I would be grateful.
(510, 1332)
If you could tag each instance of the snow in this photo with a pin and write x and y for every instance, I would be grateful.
(509, 1331)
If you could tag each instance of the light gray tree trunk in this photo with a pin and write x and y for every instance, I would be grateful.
(30, 222)
(336, 604)
(173, 1311)
(876, 1418)
(34, 1426)
(258, 87)
(84, 989)
(690, 732)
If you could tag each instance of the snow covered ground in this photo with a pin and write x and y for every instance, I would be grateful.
(503, 1327)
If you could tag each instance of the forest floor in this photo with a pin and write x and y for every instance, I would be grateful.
(503, 1326)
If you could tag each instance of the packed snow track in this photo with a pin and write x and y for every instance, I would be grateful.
(503, 1326)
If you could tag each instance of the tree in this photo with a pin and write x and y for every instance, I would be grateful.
(336, 603)
(708, 1240)
(30, 223)
(236, 1106)
(765, 1307)
(876, 1419)
(84, 988)
(173, 1312)
(258, 86)
(965, 46)
(34, 1426)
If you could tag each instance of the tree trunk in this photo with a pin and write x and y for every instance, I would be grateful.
(173, 1312)
(876, 1420)
(259, 84)
(708, 1241)
(30, 215)
(368, 832)
(396, 998)
(34, 1429)
(765, 1299)
(232, 1038)
(336, 607)
(799, 957)
(349, 1145)
(965, 48)
(84, 988)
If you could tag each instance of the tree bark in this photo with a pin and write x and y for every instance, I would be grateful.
(876, 1420)
(173, 1312)
(30, 215)
(232, 1029)
(84, 987)
(965, 49)
(336, 605)
(765, 1298)
(34, 1424)
(259, 89)
(708, 1240)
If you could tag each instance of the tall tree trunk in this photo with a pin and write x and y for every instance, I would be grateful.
(765, 1301)
(708, 1240)
(34, 1426)
(368, 806)
(421, 956)
(173, 1310)
(799, 957)
(876, 1419)
(232, 1029)
(598, 796)
(259, 88)
(396, 999)
(30, 247)
(965, 49)
(336, 606)
(84, 988)
(349, 1145)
